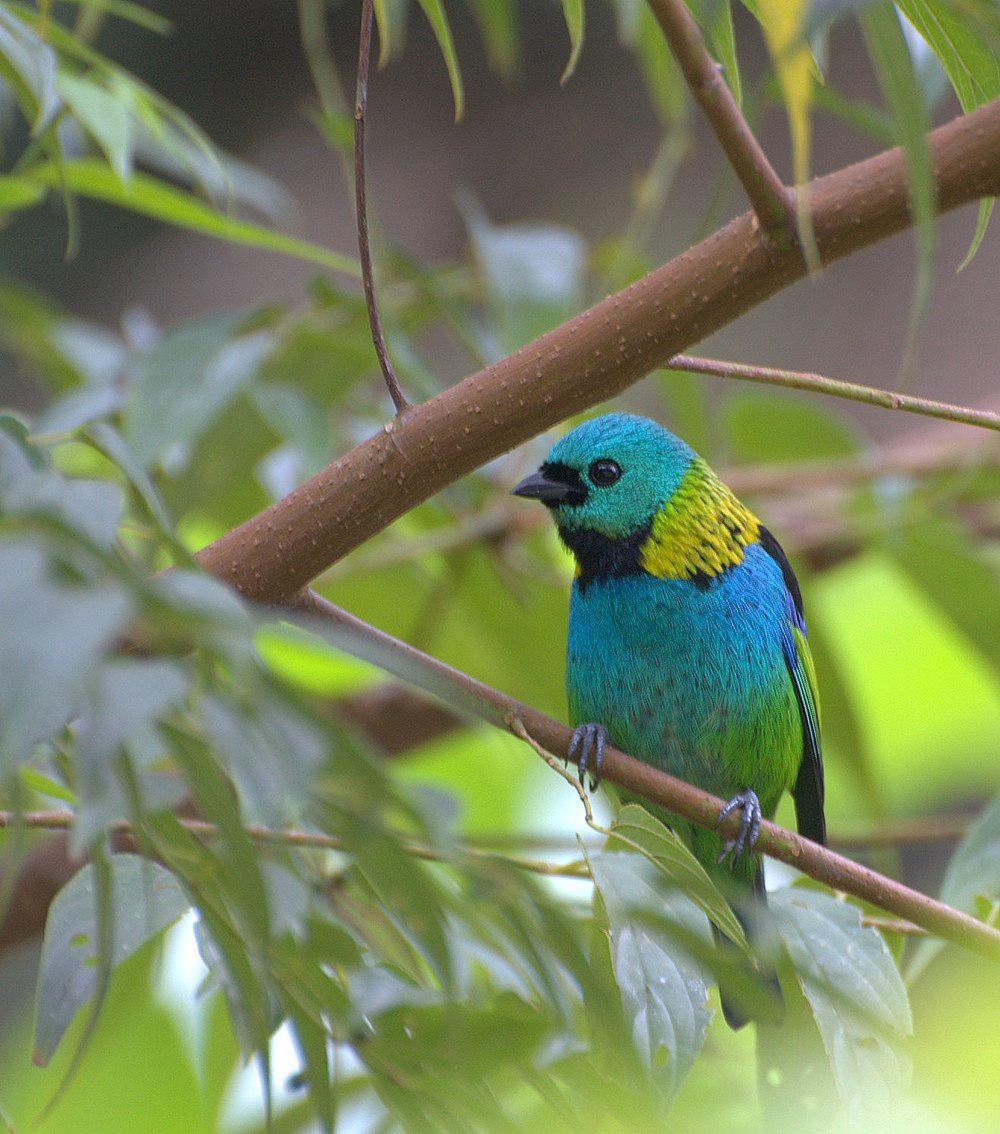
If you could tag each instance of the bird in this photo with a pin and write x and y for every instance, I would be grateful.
(686, 642)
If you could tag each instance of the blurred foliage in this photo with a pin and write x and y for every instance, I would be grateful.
(368, 986)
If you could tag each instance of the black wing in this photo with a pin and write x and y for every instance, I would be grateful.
(808, 789)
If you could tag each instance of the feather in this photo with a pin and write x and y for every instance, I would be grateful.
(808, 790)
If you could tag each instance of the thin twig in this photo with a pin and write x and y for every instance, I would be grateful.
(364, 246)
(63, 820)
(771, 200)
(467, 695)
(895, 925)
(852, 391)
(517, 728)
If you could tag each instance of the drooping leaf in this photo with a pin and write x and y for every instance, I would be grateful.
(91, 508)
(971, 64)
(784, 22)
(971, 882)
(131, 696)
(145, 899)
(29, 63)
(856, 994)
(42, 684)
(154, 198)
(497, 21)
(104, 117)
(184, 381)
(133, 13)
(78, 407)
(438, 19)
(668, 852)
(534, 275)
(660, 72)
(897, 77)
(717, 19)
(390, 18)
(663, 990)
(573, 13)
(110, 442)
(271, 753)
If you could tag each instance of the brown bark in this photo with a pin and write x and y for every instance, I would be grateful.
(273, 555)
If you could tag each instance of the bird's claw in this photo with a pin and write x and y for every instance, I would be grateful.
(750, 819)
(590, 739)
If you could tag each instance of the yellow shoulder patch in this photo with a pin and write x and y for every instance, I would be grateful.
(702, 528)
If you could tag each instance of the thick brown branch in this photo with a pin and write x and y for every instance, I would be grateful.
(364, 244)
(771, 200)
(835, 387)
(592, 357)
(464, 693)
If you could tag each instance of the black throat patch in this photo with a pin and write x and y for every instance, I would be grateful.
(604, 557)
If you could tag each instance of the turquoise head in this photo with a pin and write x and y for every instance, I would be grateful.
(610, 476)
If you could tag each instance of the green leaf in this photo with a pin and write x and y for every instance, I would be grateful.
(271, 752)
(953, 574)
(897, 77)
(971, 64)
(184, 382)
(42, 684)
(663, 991)
(716, 17)
(107, 440)
(130, 698)
(856, 994)
(19, 193)
(80, 406)
(155, 198)
(29, 63)
(573, 13)
(390, 15)
(90, 508)
(971, 881)
(668, 852)
(534, 275)
(104, 117)
(497, 21)
(782, 427)
(783, 22)
(438, 19)
(131, 13)
(969, 60)
(145, 899)
(982, 220)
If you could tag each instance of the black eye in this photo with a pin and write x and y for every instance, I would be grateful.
(604, 472)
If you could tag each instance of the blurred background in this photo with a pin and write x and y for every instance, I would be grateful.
(899, 569)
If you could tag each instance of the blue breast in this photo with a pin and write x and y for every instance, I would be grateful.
(691, 679)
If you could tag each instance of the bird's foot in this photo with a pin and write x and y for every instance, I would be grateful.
(590, 740)
(746, 837)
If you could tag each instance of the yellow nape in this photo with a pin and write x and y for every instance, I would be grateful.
(702, 528)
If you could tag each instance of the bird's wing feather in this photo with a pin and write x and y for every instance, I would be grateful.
(808, 790)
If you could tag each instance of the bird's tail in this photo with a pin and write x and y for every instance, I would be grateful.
(742, 1004)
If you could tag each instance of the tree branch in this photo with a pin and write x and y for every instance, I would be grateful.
(364, 246)
(835, 387)
(465, 694)
(771, 200)
(62, 820)
(592, 357)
